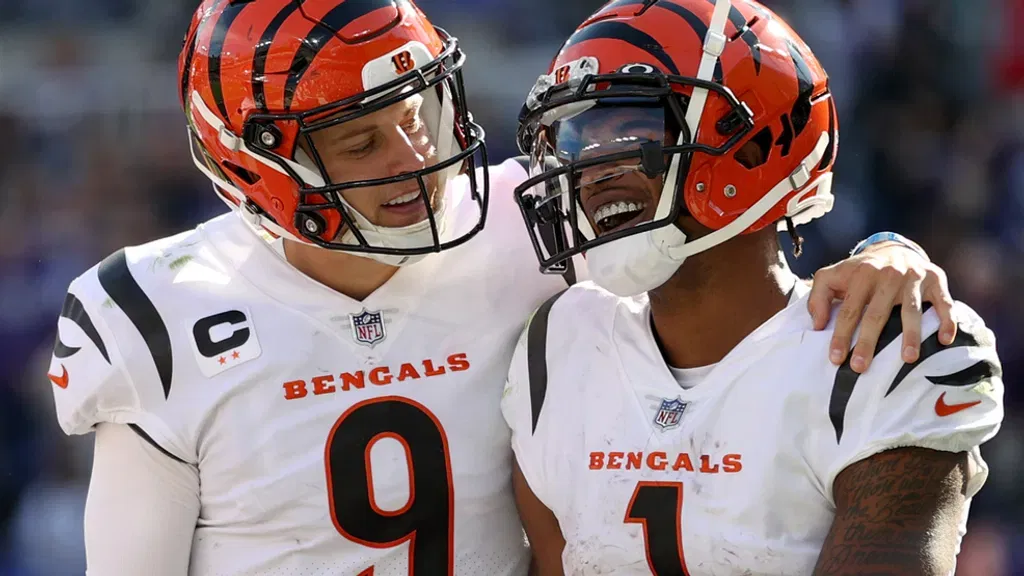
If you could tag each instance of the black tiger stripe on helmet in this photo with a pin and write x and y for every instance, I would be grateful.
(220, 33)
(328, 27)
(259, 59)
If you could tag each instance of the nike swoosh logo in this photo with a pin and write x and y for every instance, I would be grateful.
(943, 409)
(62, 381)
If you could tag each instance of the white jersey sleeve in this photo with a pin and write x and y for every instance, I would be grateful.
(949, 400)
(521, 403)
(111, 359)
(142, 508)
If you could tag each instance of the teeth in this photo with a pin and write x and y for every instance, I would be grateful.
(403, 199)
(615, 208)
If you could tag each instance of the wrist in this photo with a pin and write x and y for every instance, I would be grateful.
(880, 240)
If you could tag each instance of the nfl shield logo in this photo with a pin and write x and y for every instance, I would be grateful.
(368, 327)
(669, 414)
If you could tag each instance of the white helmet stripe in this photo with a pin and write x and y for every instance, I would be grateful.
(228, 139)
(714, 45)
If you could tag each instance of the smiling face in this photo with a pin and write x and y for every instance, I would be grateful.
(393, 141)
(617, 194)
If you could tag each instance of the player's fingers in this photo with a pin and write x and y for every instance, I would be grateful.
(823, 291)
(911, 316)
(936, 290)
(848, 317)
(882, 299)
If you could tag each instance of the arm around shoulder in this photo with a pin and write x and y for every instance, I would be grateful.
(906, 456)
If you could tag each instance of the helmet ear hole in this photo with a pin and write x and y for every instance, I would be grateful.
(242, 174)
(756, 151)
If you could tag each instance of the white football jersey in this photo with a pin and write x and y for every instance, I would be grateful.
(734, 475)
(331, 436)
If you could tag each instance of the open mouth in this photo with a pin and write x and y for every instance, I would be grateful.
(618, 214)
(404, 200)
(404, 210)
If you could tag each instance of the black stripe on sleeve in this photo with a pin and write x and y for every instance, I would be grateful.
(117, 280)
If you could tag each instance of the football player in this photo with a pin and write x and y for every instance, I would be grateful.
(678, 414)
(311, 383)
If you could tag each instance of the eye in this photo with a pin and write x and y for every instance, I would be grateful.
(362, 149)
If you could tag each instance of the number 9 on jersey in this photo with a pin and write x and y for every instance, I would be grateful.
(426, 521)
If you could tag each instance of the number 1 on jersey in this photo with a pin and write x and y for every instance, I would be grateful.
(426, 520)
(658, 507)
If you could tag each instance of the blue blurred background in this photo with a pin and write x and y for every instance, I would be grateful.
(930, 96)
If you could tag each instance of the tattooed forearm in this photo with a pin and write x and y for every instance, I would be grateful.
(896, 515)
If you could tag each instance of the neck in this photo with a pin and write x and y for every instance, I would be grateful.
(717, 298)
(354, 276)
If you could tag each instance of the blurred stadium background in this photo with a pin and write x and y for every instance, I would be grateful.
(94, 157)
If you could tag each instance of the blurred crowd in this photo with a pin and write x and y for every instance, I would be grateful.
(95, 158)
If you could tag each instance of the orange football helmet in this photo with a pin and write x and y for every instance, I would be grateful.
(259, 78)
(720, 98)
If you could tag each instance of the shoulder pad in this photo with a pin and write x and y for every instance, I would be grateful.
(112, 359)
(950, 399)
(970, 364)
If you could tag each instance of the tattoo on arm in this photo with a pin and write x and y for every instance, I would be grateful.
(897, 514)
